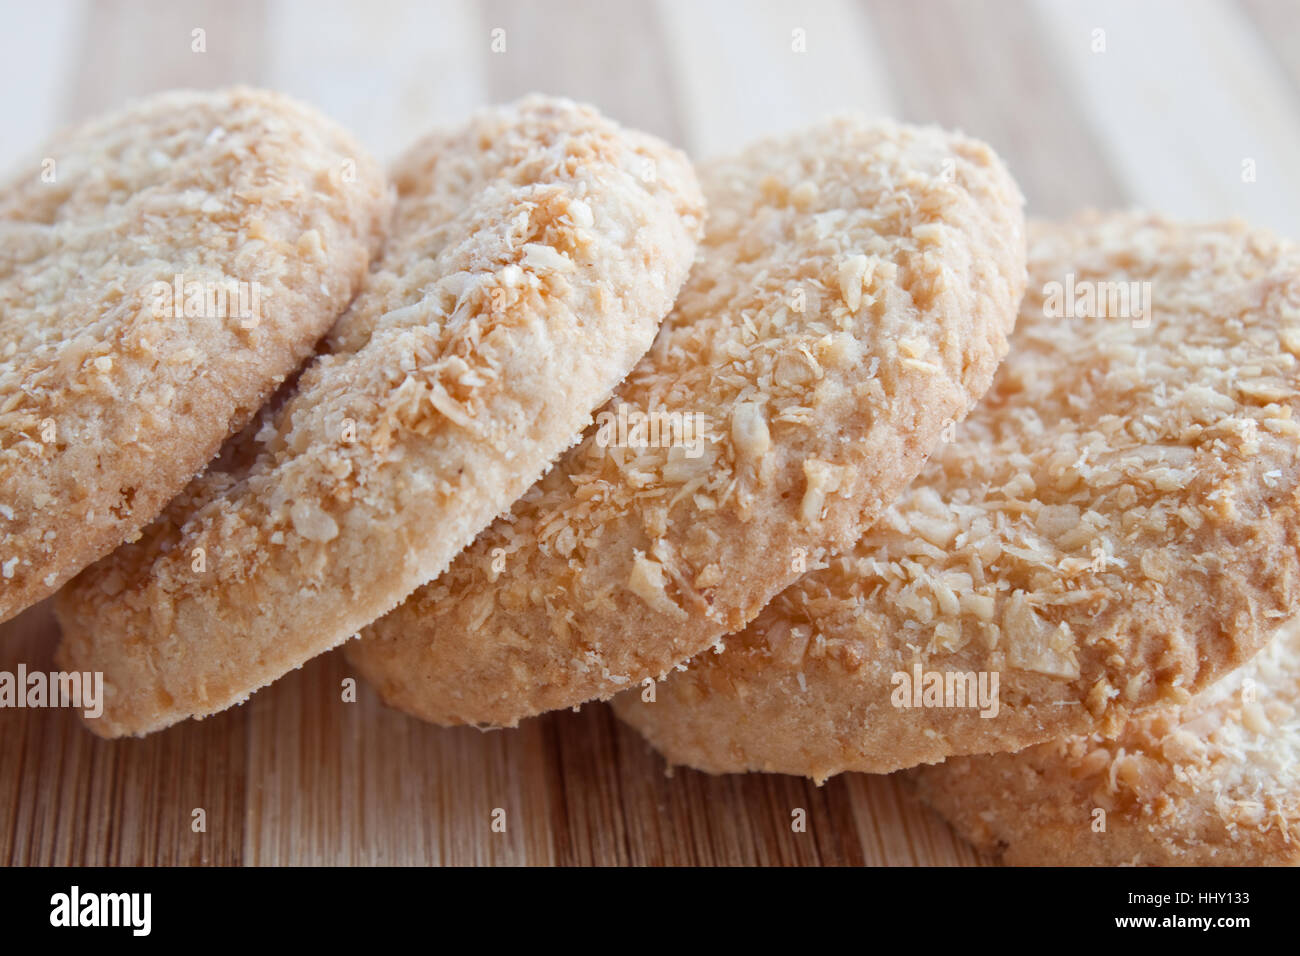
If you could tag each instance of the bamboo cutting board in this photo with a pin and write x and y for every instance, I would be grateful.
(1167, 113)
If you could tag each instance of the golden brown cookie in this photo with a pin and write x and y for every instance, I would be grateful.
(534, 253)
(162, 270)
(1115, 526)
(1214, 783)
(853, 292)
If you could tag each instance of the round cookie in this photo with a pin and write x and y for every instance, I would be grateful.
(853, 291)
(1214, 783)
(533, 255)
(162, 270)
(1114, 527)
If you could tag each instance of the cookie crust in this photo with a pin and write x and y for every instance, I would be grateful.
(534, 252)
(1114, 527)
(854, 290)
(112, 397)
(1210, 784)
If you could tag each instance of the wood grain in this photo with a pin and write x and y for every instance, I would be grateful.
(299, 776)
(302, 775)
(979, 66)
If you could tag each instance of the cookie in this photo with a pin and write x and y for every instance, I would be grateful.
(1214, 783)
(853, 291)
(534, 253)
(1113, 528)
(162, 270)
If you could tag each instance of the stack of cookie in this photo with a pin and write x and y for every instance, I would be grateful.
(548, 415)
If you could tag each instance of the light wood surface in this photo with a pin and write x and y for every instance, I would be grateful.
(1183, 94)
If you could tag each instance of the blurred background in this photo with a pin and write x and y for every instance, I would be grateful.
(1189, 107)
